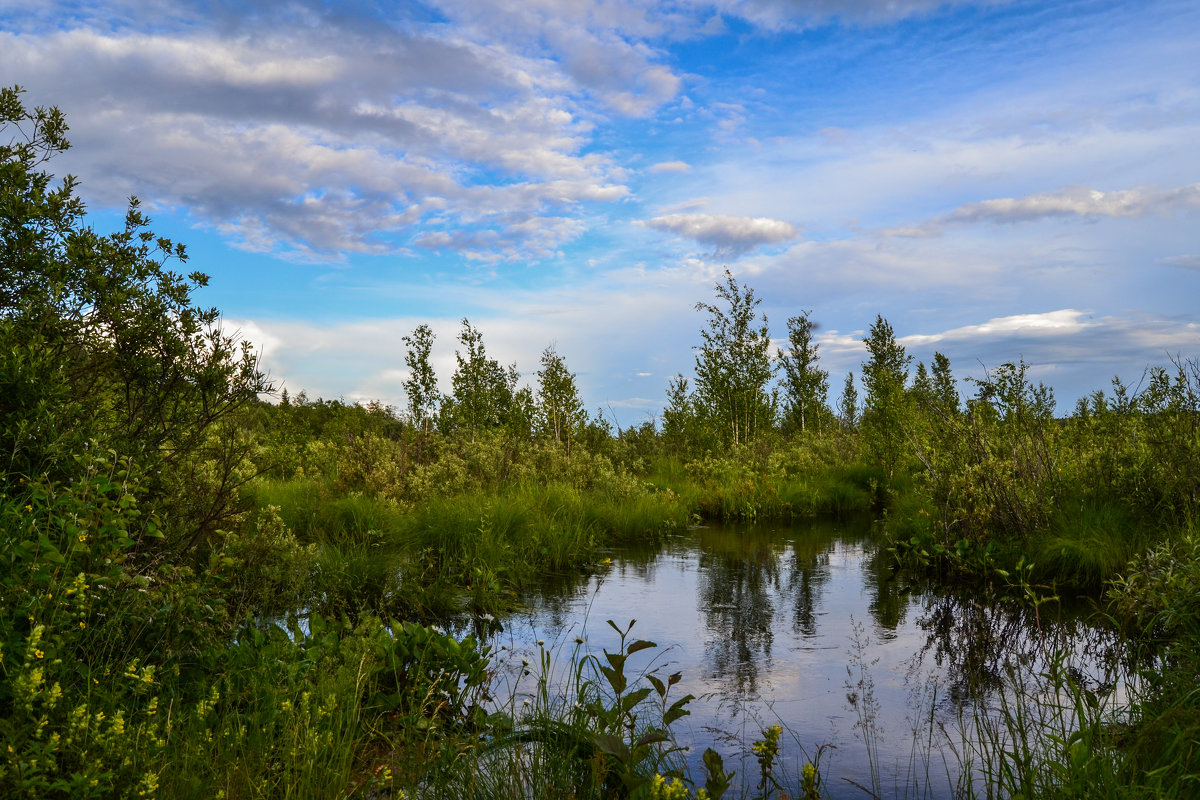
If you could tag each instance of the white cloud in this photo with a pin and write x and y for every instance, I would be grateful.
(1071, 201)
(669, 166)
(1065, 321)
(314, 143)
(602, 47)
(1077, 201)
(1072, 351)
(800, 14)
(729, 235)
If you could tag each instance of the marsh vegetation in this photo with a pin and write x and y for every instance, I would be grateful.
(206, 593)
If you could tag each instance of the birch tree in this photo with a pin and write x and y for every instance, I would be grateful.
(733, 364)
(805, 385)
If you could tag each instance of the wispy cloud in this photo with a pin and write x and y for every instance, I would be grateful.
(1065, 346)
(1191, 261)
(729, 235)
(800, 14)
(669, 166)
(1071, 201)
(1062, 322)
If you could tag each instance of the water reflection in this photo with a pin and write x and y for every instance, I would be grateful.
(762, 623)
(981, 645)
(808, 575)
(739, 574)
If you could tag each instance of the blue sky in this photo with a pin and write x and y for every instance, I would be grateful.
(1000, 180)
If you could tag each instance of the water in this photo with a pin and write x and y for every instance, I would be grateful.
(805, 626)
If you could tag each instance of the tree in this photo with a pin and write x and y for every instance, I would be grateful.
(886, 409)
(922, 386)
(680, 423)
(421, 385)
(559, 409)
(848, 404)
(101, 344)
(733, 365)
(483, 390)
(945, 390)
(805, 385)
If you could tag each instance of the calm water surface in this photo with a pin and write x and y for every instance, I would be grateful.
(788, 625)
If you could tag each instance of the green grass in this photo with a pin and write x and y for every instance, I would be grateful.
(1088, 545)
(475, 550)
(737, 490)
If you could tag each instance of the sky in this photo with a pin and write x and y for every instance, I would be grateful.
(999, 180)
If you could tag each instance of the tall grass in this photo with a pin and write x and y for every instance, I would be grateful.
(741, 486)
(478, 549)
(1089, 545)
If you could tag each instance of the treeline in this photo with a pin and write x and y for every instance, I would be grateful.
(970, 485)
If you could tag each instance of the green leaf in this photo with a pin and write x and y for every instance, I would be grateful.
(613, 625)
(652, 737)
(613, 745)
(615, 679)
(633, 698)
(677, 709)
(49, 551)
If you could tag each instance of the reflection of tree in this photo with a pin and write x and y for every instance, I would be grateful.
(973, 640)
(983, 642)
(890, 595)
(739, 569)
(557, 596)
(746, 573)
(808, 573)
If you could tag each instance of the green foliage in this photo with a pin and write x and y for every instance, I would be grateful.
(90, 634)
(848, 404)
(1157, 602)
(684, 428)
(1142, 447)
(100, 343)
(485, 393)
(805, 385)
(995, 470)
(887, 415)
(944, 389)
(430, 680)
(559, 408)
(1050, 737)
(421, 383)
(733, 365)
(614, 738)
